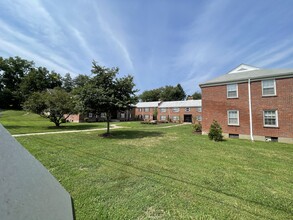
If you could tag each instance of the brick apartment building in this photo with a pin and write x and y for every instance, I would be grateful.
(173, 111)
(146, 110)
(180, 111)
(251, 103)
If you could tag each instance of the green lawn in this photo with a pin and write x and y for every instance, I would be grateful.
(152, 172)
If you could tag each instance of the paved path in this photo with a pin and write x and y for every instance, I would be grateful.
(113, 126)
(73, 131)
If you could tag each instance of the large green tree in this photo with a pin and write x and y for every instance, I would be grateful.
(12, 71)
(52, 104)
(167, 93)
(105, 93)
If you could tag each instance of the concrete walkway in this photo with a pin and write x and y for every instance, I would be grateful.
(63, 132)
(113, 126)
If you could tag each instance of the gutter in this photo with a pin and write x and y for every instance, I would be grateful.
(250, 111)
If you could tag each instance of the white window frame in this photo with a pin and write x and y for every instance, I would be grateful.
(164, 117)
(140, 109)
(232, 97)
(236, 124)
(163, 110)
(199, 118)
(198, 109)
(187, 109)
(90, 115)
(175, 109)
(177, 118)
(146, 117)
(276, 115)
(146, 109)
(262, 87)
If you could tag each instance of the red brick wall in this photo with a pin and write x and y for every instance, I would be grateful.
(169, 112)
(215, 105)
(143, 112)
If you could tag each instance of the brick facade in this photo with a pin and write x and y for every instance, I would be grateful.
(215, 105)
(184, 114)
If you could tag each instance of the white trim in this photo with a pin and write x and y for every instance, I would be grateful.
(188, 109)
(237, 124)
(277, 119)
(236, 91)
(250, 112)
(175, 109)
(275, 88)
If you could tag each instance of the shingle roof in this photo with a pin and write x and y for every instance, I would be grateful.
(147, 104)
(187, 103)
(253, 75)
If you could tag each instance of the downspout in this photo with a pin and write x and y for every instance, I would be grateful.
(250, 111)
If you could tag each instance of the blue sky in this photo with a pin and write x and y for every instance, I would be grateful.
(159, 42)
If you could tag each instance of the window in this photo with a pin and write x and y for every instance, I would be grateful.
(103, 115)
(146, 117)
(233, 117)
(122, 115)
(187, 109)
(198, 118)
(175, 109)
(140, 109)
(146, 109)
(163, 118)
(163, 109)
(198, 109)
(269, 87)
(90, 115)
(175, 118)
(232, 91)
(270, 118)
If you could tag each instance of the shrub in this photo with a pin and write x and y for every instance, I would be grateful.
(215, 131)
(197, 127)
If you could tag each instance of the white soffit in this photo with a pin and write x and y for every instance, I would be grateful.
(243, 68)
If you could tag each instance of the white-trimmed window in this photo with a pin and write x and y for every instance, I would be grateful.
(163, 109)
(146, 109)
(175, 109)
(163, 117)
(268, 87)
(90, 115)
(187, 109)
(140, 109)
(270, 118)
(146, 117)
(198, 118)
(198, 109)
(232, 91)
(233, 117)
(122, 115)
(175, 118)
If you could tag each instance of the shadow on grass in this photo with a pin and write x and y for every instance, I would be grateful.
(133, 134)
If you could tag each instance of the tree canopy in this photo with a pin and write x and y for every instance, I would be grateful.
(105, 92)
(167, 93)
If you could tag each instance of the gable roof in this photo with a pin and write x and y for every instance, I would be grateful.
(244, 75)
(147, 104)
(187, 103)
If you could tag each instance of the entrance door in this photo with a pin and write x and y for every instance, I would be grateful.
(187, 118)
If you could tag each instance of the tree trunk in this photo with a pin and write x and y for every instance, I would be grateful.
(108, 122)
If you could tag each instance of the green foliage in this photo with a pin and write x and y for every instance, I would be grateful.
(197, 127)
(52, 104)
(67, 83)
(215, 131)
(167, 93)
(196, 95)
(107, 93)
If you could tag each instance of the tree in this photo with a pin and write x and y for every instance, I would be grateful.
(67, 82)
(215, 131)
(167, 93)
(12, 71)
(106, 93)
(196, 95)
(151, 95)
(80, 80)
(52, 104)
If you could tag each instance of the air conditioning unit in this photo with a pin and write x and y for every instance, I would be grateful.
(268, 139)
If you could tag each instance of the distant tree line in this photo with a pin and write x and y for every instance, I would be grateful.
(167, 93)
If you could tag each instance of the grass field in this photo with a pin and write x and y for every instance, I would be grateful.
(152, 172)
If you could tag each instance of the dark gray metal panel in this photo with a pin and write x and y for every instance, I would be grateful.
(27, 189)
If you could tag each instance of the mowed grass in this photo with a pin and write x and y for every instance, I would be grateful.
(151, 172)
(22, 122)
